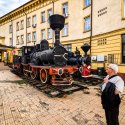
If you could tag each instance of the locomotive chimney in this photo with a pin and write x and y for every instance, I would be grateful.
(57, 23)
(85, 48)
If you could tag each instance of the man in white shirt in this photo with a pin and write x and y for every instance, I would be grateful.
(112, 108)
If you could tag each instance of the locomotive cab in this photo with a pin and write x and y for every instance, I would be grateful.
(26, 51)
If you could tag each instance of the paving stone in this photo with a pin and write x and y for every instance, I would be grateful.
(25, 105)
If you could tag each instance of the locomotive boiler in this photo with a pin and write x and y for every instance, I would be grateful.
(56, 56)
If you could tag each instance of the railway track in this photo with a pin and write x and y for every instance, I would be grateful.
(92, 80)
(50, 90)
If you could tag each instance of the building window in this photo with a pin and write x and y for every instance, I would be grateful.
(87, 24)
(87, 3)
(65, 30)
(68, 47)
(123, 48)
(18, 40)
(65, 9)
(22, 24)
(10, 28)
(114, 58)
(43, 34)
(34, 21)
(49, 33)
(22, 39)
(49, 13)
(11, 42)
(0, 56)
(29, 37)
(110, 58)
(28, 22)
(34, 36)
(43, 17)
(19, 52)
(17, 26)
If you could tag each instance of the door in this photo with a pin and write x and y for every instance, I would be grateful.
(0, 56)
(123, 53)
(123, 48)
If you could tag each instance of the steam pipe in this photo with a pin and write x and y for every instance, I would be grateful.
(57, 37)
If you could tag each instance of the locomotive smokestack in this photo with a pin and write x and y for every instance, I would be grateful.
(57, 23)
(85, 48)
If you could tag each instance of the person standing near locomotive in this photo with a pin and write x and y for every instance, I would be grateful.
(112, 90)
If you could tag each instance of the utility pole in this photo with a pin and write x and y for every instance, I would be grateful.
(53, 31)
(12, 31)
(91, 26)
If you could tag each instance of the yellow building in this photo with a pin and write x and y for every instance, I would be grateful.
(6, 52)
(98, 22)
(108, 32)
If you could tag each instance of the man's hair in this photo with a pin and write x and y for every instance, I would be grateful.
(113, 67)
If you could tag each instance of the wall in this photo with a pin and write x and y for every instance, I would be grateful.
(109, 21)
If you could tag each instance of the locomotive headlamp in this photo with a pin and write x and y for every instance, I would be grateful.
(60, 71)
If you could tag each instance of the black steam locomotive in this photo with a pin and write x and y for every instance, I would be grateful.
(53, 65)
(49, 64)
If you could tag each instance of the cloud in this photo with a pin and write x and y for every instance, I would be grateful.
(8, 5)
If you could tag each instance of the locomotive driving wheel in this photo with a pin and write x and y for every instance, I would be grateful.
(25, 71)
(43, 76)
(33, 74)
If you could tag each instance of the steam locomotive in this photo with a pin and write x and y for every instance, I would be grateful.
(55, 65)
(83, 62)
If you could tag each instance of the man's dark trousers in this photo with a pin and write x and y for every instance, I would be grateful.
(112, 116)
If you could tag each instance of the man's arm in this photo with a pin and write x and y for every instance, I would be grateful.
(119, 86)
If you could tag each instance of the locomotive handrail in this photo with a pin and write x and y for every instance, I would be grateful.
(58, 55)
(62, 56)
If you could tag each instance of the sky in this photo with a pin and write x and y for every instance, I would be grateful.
(8, 5)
